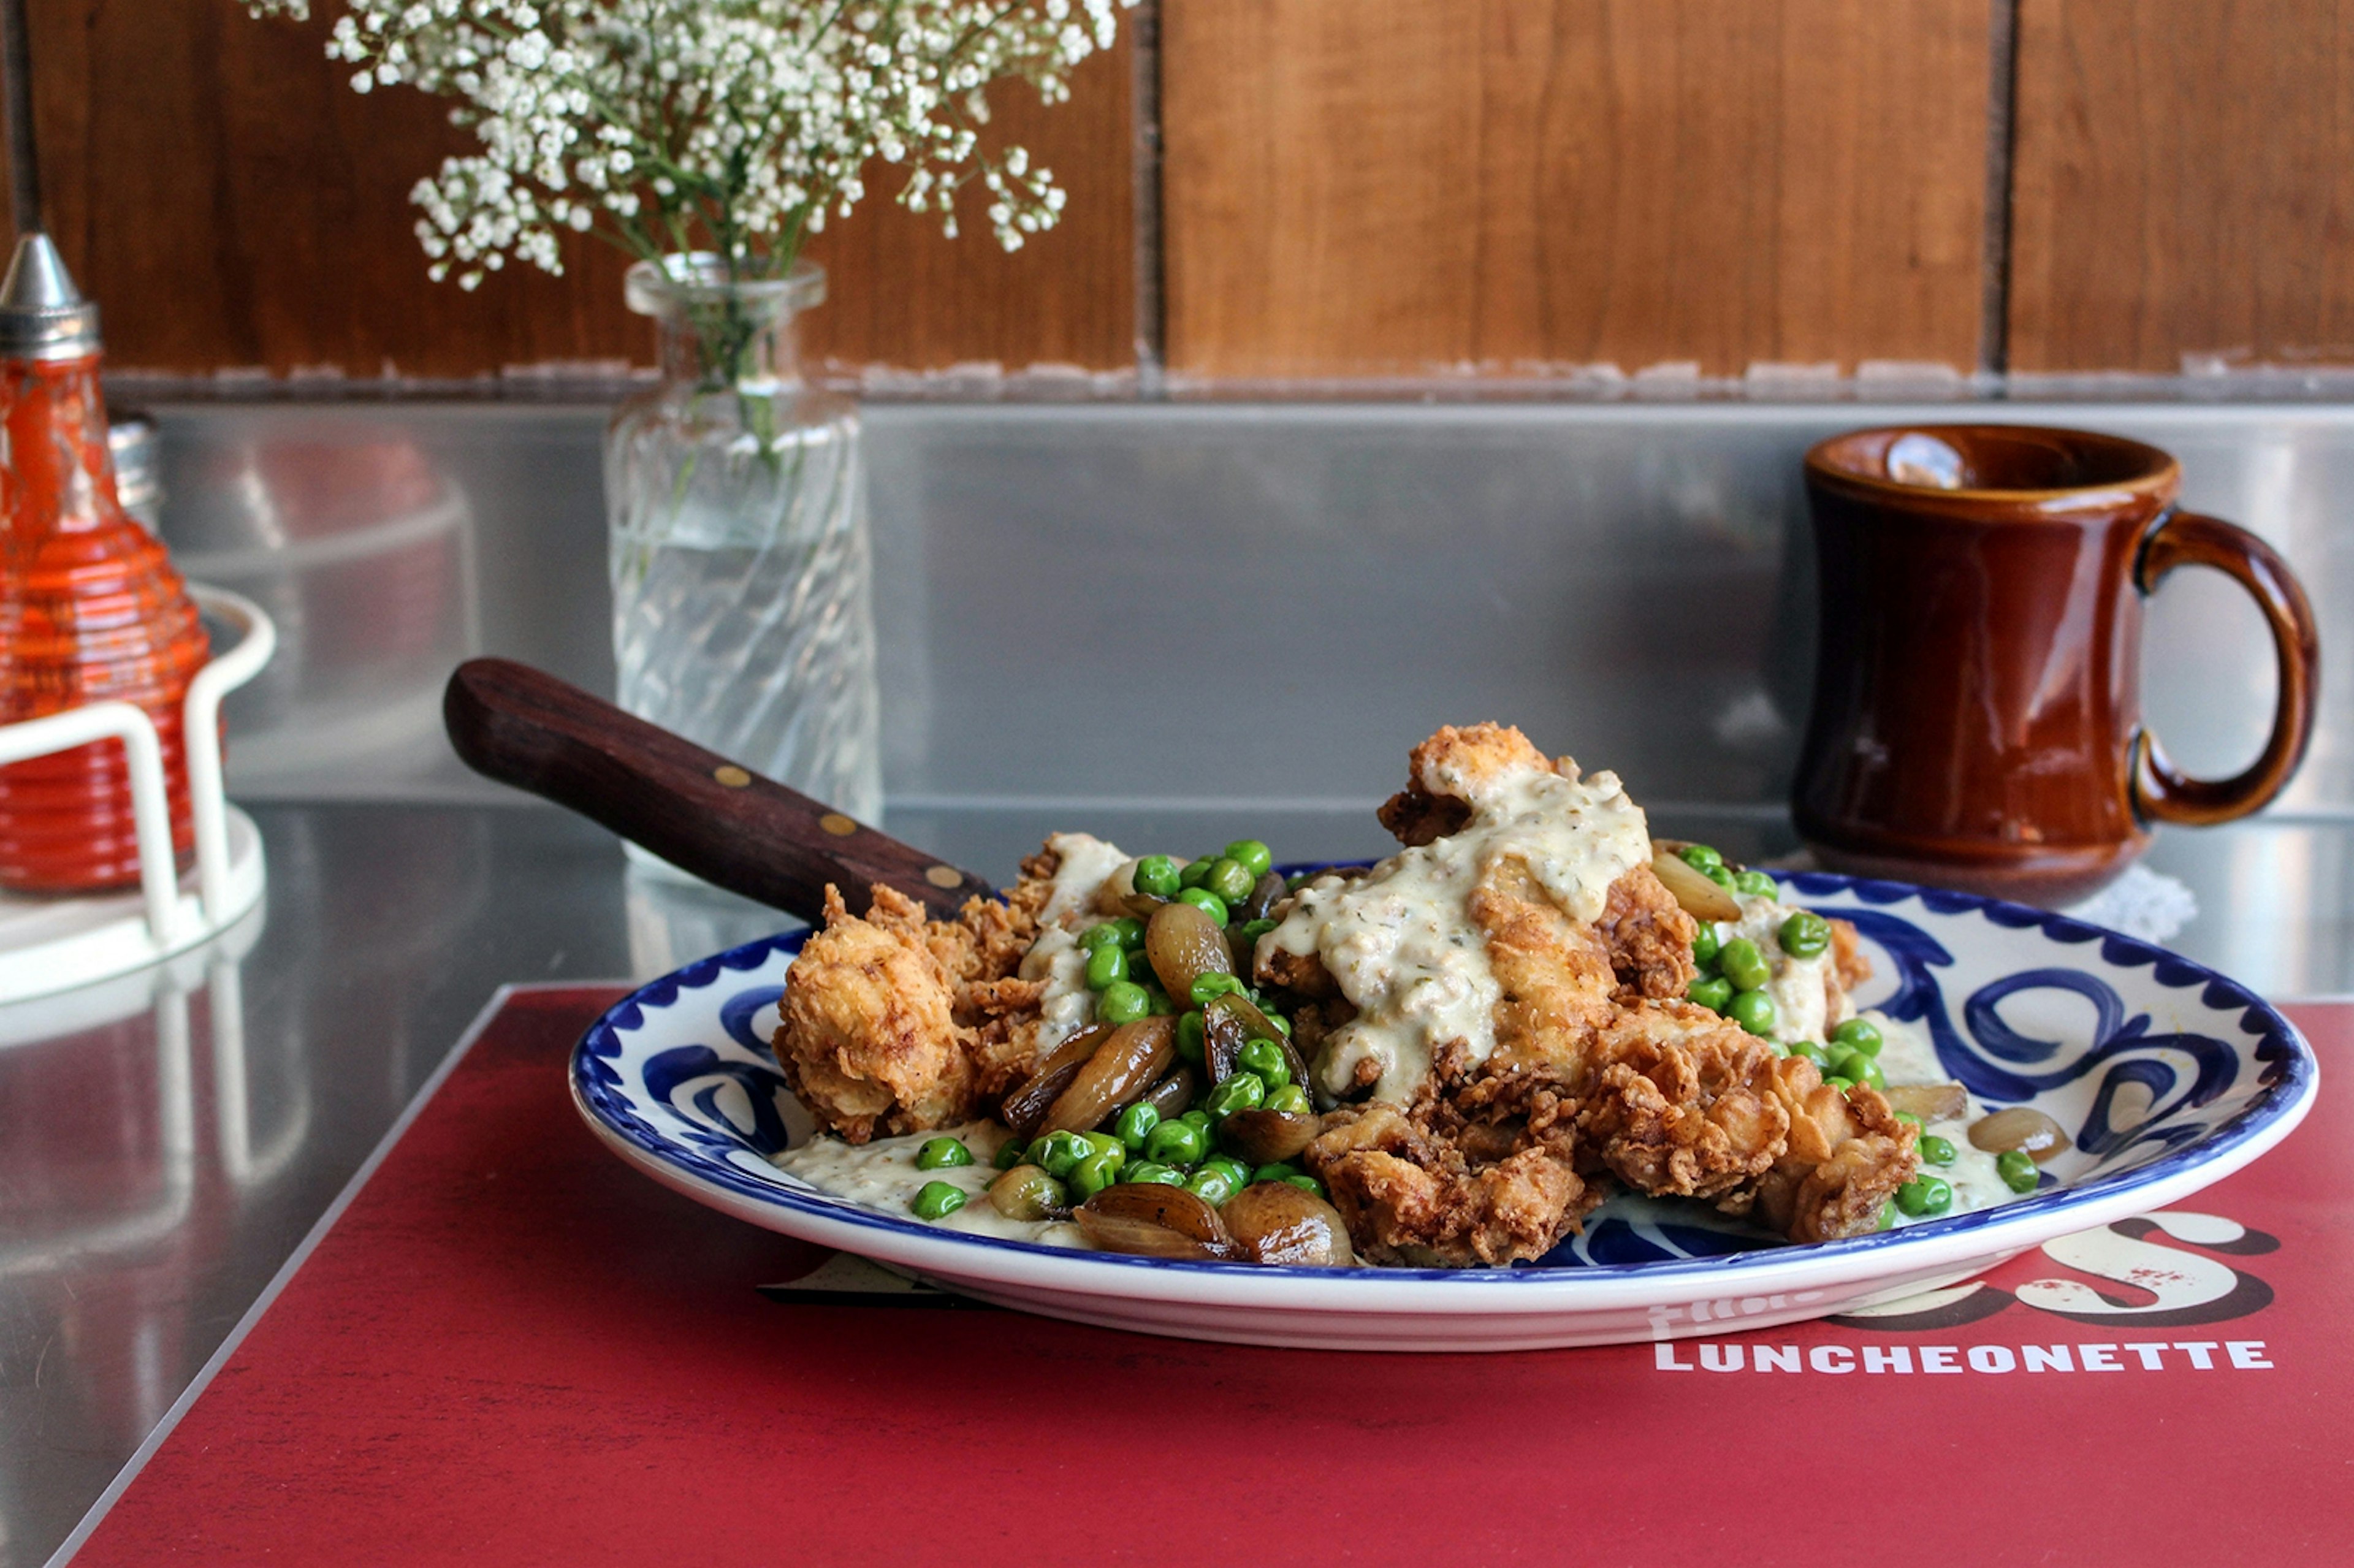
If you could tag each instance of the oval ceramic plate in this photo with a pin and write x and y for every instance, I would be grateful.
(2170, 1075)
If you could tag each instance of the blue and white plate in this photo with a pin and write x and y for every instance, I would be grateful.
(2170, 1075)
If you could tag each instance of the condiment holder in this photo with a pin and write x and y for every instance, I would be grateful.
(54, 943)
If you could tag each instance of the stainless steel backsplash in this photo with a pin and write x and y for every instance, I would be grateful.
(1161, 604)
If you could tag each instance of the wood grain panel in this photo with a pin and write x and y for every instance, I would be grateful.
(1386, 187)
(2184, 184)
(218, 186)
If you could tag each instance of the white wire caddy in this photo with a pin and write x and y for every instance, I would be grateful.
(54, 943)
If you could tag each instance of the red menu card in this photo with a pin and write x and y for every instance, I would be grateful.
(508, 1348)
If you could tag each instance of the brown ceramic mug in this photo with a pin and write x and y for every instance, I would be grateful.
(1976, 715)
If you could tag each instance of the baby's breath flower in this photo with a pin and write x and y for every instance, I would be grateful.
(734, 125)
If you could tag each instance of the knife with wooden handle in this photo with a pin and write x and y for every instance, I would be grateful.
(696, 809)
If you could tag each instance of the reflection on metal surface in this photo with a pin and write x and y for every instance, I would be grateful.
(673, 922)
(54, 1036)
(363, 549)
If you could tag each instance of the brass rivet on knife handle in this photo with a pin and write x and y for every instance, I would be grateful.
(697, 810)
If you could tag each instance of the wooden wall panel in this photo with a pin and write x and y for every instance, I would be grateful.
(2183, 183)
(218, 186)
(1391, 186)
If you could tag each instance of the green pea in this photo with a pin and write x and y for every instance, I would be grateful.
(1720, 875)
(1887, 1219)
(1208, 988)
(1192, 872)
(1192, 1033)
(1918, 1125)
(1758, 884)
(1282, 1024)
(1176, 1143)
(1213, 1185)
(1706, 945)
(1254, 929)
(1107, 963)
(1713, 994)
(1806, 935)
(1156, 1003)
(1135, 1124)
(937, 1199)
(1298, 880)
(1252, 856)
(1812, 1052)
(1264, 1057)
(1009, 1154)
(1094, 936)
(1199, 1118)
(1228, 880)
(1291, 1098)
(1092, 1175)
(2017, 1169)
(938, 1152)
(1744, 965)
(1243, 1091)
(1275, 1173)
(1754, 1010)
(1058, 1151)
(1152, 1171)
(1234, 1171)
(1122, 1001)
(1156, 876)
(1207, 901)
(1105, 1143)
(1130, 931)
(1855, 1067)
(1305, 1182)
(1858, 1034)
(1841, 1085)
(1926, 1195)
(1937, 1151)
(1702, 857)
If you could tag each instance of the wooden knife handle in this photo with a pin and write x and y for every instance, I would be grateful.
(694, 807)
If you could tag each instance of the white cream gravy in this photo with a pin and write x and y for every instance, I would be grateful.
(883, 1175)
(1907, 1056)
(1798, 988)
(1400, 941)
(1087, 862)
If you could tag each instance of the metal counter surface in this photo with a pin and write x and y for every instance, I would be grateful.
(165, 1148)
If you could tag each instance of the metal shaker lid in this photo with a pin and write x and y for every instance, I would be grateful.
(42, 314)
(138, 466)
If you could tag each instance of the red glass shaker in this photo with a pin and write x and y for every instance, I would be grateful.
(90, 608)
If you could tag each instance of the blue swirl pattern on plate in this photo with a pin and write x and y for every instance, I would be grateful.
(2073, 1034)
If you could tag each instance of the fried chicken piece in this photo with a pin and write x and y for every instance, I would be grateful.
(1679, 1104)
(893, 1023)
(1554, 971)
(1649, 938)
(1847, 1156)
(867, 1037)
(1413, 1196)
(1686, 1103)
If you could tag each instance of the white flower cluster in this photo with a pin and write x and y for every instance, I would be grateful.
(728, 125)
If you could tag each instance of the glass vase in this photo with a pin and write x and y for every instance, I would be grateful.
(743, 617)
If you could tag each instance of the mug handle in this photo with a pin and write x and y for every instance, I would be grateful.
(2190, 539)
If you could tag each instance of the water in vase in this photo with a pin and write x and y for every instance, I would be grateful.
(742, 612)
